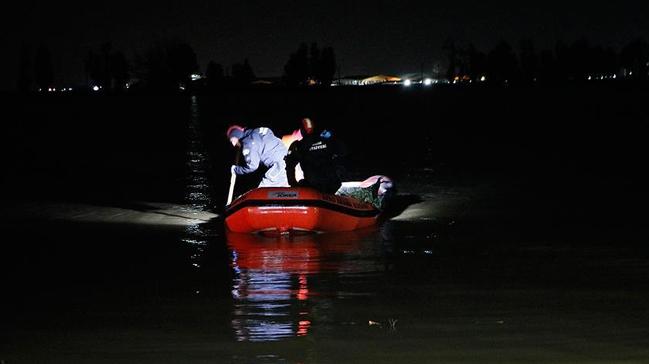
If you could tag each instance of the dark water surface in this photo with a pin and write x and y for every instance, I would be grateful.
(509, 243)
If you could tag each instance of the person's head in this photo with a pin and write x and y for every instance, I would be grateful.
(306, 127)
(234, 133)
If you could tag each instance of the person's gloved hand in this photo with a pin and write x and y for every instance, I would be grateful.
(232, 168)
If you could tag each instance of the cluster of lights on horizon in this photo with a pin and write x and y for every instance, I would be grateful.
(406, 82)
(426, 82)
(604, 77)
(54, 89)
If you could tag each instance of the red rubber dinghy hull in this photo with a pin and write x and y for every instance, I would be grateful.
(284, 210)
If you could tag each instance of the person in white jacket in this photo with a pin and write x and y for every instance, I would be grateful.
(260, 146)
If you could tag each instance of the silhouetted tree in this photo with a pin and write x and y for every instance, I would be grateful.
(44, 71)
(580, 60)
(462, 58)
(308, 66)
(152, 69)
(503, 65)
(182, 62)
(477, 63)
(97, 67)
(214, 74)
(104, 53)
(314, 61)
(108, 68)
(452, 67)
(296, 70)
(634, 59)
(602, 62)
(242, 73)
(326, 66)
(166, 66)
(529, 61)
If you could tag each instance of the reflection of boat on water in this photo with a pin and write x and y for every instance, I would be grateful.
(296, 254)
(273, 298)
(297, 209)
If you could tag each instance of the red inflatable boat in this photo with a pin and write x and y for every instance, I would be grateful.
(292, 209)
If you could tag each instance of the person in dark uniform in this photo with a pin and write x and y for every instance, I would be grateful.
(260, 146)
(318, 153)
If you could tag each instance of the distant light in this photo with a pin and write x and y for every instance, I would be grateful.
(590, 78)
(95, 88)
(483, 79)
(428, 82)
(127, 85)
(182, 88)
(614, 76)
(407, 83)
(40, 90)
(49, 89)
(195, 76)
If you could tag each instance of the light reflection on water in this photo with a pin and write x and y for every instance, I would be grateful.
(197, 188)
(273, 290)
(197, 191)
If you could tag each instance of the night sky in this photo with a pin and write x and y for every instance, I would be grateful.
(392, 37)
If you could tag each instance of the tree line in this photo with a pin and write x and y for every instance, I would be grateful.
(169, 65)
(579, 60)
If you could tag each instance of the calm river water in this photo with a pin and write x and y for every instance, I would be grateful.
(114, 251)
